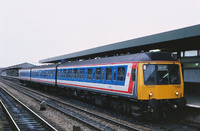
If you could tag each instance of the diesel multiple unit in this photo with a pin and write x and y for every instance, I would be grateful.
(148, 84)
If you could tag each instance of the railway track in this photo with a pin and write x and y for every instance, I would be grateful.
(7, 123)
(20, 116)
(89, 118)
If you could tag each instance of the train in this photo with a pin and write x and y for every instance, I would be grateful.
(146, 84)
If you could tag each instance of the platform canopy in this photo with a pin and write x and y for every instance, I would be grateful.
(19, 66)
(172, 41)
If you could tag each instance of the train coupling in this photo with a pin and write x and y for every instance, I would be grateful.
(181, 102)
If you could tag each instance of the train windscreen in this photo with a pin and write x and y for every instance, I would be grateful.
(161, 74)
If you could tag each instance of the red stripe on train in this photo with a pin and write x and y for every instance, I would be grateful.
(97, 88)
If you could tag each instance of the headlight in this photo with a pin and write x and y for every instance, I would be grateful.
(177, 93)
(150, 94)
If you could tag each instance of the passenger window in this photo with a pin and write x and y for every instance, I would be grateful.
(75, 73)
(54, 73)
(89, 76)
(103, 74)
(114, 74)
(64, 73)
(81, 73)
(85, 73)
(48, 73)
(98, 73)
(51, 73)
(78, 74)
(121, 74)
(57, 73)
(108, 73)
(69, 73)
(44, 73)
(93, 74)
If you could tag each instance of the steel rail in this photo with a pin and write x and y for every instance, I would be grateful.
(49, 126)
(12, 122)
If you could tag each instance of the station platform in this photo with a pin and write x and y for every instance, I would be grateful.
(193, 100)
(192, 111)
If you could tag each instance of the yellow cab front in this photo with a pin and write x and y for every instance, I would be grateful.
(160, 80)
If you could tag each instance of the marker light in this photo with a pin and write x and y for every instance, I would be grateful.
(150, 94)
(177, 93)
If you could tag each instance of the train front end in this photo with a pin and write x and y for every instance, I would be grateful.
(160, 86)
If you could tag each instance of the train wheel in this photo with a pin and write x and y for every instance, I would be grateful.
(163, 115)
(151, 116)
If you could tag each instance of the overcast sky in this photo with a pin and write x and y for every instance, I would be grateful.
(32, 30)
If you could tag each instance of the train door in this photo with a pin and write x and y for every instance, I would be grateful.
(133, 83)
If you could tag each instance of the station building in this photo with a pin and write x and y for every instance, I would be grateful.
(14, 70)
(184, 44)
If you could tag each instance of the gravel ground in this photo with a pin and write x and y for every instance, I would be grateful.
(108, 124)
(55, 118)
(1, 126)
